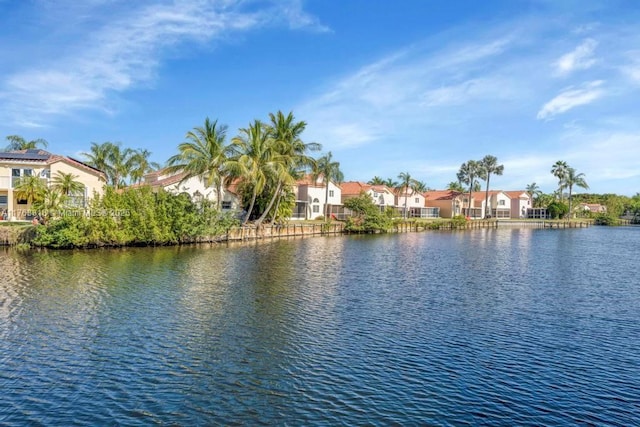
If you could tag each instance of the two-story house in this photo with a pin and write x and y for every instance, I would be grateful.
(381, 195)
(310, 198)
(15, 165)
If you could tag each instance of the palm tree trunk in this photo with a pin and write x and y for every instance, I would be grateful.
(219, 201)
(406, 196)
(486, 197)
(570, 213)
(271, 202)
(253, 201)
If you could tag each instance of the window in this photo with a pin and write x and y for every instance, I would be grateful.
(15, 172)
(330, 193)
(27, 172)
(45, 173)
(316, 208)
(500, 202)
(316, 200)
(417, 200)
(4, 199)
(226, 205)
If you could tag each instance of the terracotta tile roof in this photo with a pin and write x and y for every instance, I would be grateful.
(354, 188)
(516, 194)
(441, 195)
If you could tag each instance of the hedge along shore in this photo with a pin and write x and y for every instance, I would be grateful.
(22, 234)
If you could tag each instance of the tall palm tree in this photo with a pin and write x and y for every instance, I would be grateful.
(254, 160)
(390, 183)
(489, 165)
(559, 170)
(468, 174)
(534, 191)
(204, 155)
(330, 171)
(116, 162)
(571, 179)
(285, 132)
(406, 183)
(16, 142)
(141, 165)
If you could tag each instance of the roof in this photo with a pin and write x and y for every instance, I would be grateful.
(354, 188)
(516, 194)
(441, 195)
(47, 158)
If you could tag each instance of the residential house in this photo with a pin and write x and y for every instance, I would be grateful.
(448, 202)
(381, 195)
(416, 204)
(595, 208)
(310, 198)
(499, 204)
(195, 187)
(15, 165)
(520, 203)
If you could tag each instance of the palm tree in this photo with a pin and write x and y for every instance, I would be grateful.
(98, 156)
(116, 162)
(254, 160)
(16, 142)
(406, 183)
(140, 165)
(534, 191)
(572, 178)
(204, 155)
(66, 185)
(330, 171)
(420, 186)
(489, 165)
(468, 174)
(390, 183)
(285, 133)
(455, 186)
(376, 180)
(559, 170)
(30, 188)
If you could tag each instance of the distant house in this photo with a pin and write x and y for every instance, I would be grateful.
(520, 203)
(15, 165)
(381, 195)
(194, 186)
(310, 198)
(595, 208)
(449, 202)
(499, 205)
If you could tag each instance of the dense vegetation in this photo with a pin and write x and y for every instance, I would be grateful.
(137, 216)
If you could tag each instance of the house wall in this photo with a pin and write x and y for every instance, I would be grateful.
(382, 197)
(194, 185)
(519, 206)
(13, 210)
(315, 196)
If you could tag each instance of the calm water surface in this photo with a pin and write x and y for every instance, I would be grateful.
(485, 327)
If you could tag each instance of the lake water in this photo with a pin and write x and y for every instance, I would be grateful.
(481, 327)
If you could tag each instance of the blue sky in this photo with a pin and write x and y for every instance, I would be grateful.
(405, 86)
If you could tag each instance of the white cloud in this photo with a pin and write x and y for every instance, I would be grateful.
(125, 50)
(571, 98)
(581, 58)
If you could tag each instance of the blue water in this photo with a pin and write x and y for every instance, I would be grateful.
(482, 327)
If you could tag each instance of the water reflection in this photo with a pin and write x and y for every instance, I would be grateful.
(521, 326)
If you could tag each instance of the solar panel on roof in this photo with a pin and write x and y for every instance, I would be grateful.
(23, 156)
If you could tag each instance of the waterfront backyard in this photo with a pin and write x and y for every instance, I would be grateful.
(517, 326)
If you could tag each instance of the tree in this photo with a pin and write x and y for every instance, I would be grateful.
(534, 192)
(285, 132)
(116, 162)
(30, 188)
(390, 183)
(16, 142)
(455, 186)
(204, 155)
(559, 170)
(571, 179)
(489, 165)
(406, 183)
(66, 185)
(254, 160)
(140, 165)
(330, 171)
(468, 174)
(376, 180)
